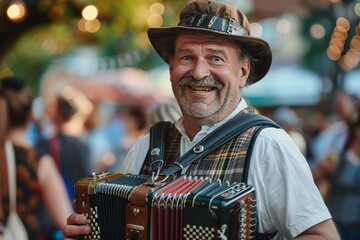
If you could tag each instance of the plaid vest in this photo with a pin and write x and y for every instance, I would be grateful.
(226, 162)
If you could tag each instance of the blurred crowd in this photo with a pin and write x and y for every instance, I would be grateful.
(58, 140)
(69, 136)
(330, 141)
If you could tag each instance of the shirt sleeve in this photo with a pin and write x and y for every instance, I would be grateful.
(288, 199)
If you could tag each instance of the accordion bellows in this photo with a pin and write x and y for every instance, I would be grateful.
(129, 207)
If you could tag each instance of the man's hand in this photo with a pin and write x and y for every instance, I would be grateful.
(76, 226)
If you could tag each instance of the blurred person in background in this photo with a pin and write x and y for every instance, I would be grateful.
(134, 118)
(288, 119)
(102, 138)
(338, 176)
(316, 125)
(135, 122)
(164, 111)
(69, 111)
(334, 132)
(35, 128)
(38, 182)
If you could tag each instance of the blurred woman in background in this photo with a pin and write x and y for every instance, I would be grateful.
(38, 182)
(337, 177)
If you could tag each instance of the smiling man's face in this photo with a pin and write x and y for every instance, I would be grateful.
(206, 73)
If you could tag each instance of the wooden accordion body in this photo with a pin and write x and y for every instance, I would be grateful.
(129, 207)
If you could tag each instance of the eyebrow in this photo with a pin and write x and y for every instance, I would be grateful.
(218, 51)
(208, 49)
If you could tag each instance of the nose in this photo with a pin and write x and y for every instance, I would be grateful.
(200, 69)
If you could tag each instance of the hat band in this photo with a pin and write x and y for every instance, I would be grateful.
(216, 23)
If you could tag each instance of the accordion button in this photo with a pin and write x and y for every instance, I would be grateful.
(136, 211)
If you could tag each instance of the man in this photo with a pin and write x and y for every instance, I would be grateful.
(211, 56)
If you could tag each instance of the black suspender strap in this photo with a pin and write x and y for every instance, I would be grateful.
(158, 133)
(250, 150)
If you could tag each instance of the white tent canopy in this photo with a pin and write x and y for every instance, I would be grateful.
(352, 83)
(285, 85)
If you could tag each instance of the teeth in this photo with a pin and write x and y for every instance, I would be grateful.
(201, 89)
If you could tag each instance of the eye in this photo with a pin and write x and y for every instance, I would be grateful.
(187, 58)
(216, 59)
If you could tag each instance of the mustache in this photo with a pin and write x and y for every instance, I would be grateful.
(208, 81)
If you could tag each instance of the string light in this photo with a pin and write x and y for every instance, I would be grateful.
(90, 12)
(16, 12)
(155, 19)
(317, 31)
(89, 22)
(350, 59)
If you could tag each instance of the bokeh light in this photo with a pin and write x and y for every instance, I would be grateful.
(16, 12)
(317, 31)
(90, 12)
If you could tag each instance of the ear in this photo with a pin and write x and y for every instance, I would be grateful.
(244, 73)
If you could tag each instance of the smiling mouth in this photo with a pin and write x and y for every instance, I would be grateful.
(201, 89)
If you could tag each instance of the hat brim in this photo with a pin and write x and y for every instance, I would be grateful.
(163, 40)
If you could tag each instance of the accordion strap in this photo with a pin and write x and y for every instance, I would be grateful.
(158, 133)
(250, 150)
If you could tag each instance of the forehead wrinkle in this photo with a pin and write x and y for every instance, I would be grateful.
(198, 38)
(216, 50)
(208, 38)
(212, 49)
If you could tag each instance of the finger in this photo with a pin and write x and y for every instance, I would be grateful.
(74, 238)
(76, 219)
(74, 230)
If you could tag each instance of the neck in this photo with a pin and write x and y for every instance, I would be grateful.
(191, 128)
(193, 125)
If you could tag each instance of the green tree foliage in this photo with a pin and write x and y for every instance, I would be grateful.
(50, 30)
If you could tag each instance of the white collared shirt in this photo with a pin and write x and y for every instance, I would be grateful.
(288, 200)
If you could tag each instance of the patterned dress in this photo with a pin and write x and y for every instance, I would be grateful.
(30, 206)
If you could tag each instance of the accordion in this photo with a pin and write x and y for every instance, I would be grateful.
(132, 207)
